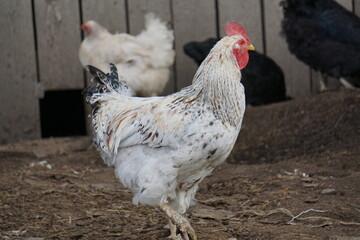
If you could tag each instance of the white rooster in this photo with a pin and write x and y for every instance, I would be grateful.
(144, 60)
(163, 147)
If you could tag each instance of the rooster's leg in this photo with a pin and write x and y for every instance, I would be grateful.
(173, 229)
(178, 222)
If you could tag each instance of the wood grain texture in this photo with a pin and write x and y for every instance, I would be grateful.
(58, 38)
(357, 7)
(19, 108)
(246, 12)
(315, 81)
(348, 4)
(162, 8)
(109, 13)
(194, 20)
(297, 74)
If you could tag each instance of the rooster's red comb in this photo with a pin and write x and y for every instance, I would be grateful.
(235, 28)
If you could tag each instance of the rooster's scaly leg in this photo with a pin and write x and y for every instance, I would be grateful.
(178, 222)
(173, 230)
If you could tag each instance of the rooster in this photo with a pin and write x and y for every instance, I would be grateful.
(262, 78)
(144, 60)
(325, 36)
(163, 147)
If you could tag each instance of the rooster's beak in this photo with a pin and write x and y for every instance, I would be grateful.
(250, 47)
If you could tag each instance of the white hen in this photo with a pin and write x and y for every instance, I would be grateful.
(144, 60)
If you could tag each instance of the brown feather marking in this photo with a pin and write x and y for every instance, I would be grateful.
(191, 100)
(194, 98)
(126, 112)
(108, 139)
(117, 125)
(177, 99)
(216, 107)
(122, 119)
(220, 58)
(192, 185)
(153, 107)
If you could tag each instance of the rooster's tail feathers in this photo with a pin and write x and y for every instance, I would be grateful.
(106, 83)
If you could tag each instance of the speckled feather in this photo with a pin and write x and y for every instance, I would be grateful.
(163, 147)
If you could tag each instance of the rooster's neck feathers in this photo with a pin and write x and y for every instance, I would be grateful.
(217, 83)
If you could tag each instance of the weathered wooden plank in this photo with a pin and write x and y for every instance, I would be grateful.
(348, 4)
(357, 7)
(315, 81)
(194, 20)
(19, 108)
(137, 10)
(248, 13)
(58, 40)
(109, 13)
(297, 74)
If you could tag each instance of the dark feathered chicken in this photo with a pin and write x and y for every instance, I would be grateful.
(262, 78)
(325, 36)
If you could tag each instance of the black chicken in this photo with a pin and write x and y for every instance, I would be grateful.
(262, 78)
(325, 36)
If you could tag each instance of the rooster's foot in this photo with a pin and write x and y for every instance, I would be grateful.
(178, 223)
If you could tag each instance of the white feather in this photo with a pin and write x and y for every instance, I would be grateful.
(163, 147)
(144, 60)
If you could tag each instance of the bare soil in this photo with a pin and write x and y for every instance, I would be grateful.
(293, 174)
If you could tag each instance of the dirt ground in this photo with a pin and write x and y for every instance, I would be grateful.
(293, 174)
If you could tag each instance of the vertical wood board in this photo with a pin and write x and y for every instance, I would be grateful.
(357, 7)
(109, 13)
(247, 13)
(58, 38)
(297, 74)
(348, 4)
(194, 20)
(19, 108)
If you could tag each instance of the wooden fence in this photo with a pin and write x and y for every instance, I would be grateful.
(40, 41)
